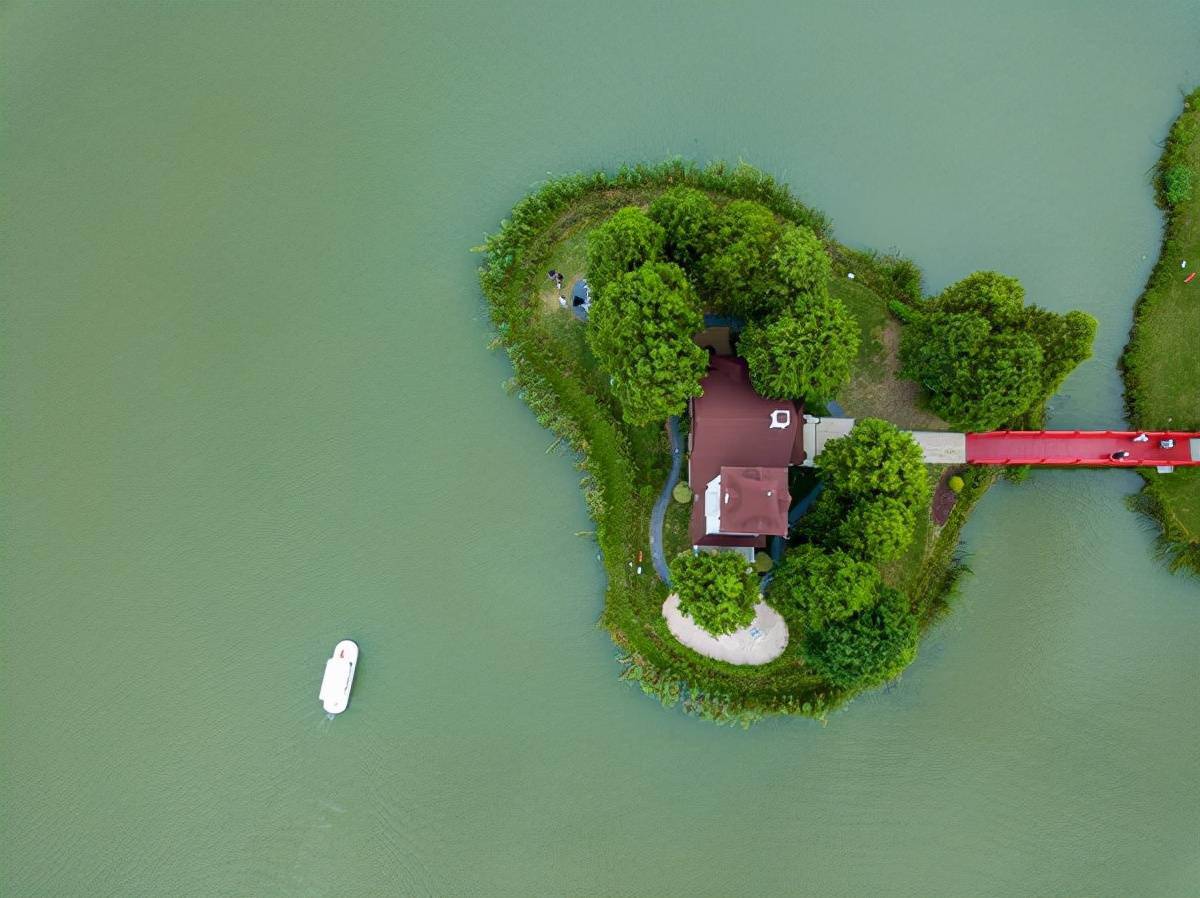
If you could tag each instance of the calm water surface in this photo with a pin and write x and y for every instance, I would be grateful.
(248, 410)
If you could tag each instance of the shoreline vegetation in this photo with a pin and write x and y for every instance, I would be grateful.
(625, 464)
(1161, 371)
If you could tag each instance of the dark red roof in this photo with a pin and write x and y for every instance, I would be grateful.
(731, 428)
(755, 500)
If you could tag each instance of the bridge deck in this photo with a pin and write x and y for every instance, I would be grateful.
(1090, 448)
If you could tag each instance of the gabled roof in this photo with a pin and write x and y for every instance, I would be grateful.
(732, 427)
(753, 500)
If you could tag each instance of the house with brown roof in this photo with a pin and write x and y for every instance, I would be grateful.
(740, 446)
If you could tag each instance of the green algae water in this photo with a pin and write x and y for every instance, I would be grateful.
(248, 410)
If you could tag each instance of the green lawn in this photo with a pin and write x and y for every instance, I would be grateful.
(1162, 364)
(876, 390)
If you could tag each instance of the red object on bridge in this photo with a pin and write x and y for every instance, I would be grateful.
(1082, 448)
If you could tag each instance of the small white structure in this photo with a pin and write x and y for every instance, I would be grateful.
(763, 640)
(339, 676)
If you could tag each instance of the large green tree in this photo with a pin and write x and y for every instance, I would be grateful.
(1066, 340)
(625, 241)
(737, 275)
(985, 357)
(800, 263)
(873, 529)
(866, 648)
(640, 329)
(978, 378)
(686, 216)
(877, 530)
(806, 351)
(875, 487)
(716, 590)
(997, 297)
(821, 586)
(875, 459)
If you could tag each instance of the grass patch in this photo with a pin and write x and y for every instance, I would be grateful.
(876, 389)
(1160, 364)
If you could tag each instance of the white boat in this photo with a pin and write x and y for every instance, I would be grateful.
(339, 675)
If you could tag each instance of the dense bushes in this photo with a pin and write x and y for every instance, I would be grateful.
(875, 486)
(819, 587)
(686, 216)
(985, 358)
(857, 632)
(641, 328)
(804, 352)
(735, 275)
(1174, 169)
(717, 590)
(868, 648)
(744, 261)
(628, 240)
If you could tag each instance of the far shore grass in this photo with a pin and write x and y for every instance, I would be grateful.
(1162, 361)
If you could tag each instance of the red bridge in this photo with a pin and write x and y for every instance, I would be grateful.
(1085, 448)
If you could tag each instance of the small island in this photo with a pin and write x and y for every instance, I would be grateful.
(781, 436)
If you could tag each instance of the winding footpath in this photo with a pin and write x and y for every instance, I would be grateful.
(660, 507)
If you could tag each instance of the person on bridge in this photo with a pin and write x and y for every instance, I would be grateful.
(1141, 438)
(1119, 456)
(1166, 444)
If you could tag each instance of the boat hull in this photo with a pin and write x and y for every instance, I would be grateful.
(339, 677)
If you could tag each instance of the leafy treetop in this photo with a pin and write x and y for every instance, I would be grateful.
(978, 378)
(627, 240)
(875, 486)
(806, 351)
(640, 329)
(985, 357)
(875, 460)
(801, 264)
(716, 590)
(867, 648)
(686, 216)
(822, 586)
(737, 275)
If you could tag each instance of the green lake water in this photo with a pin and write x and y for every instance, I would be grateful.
(248, 410)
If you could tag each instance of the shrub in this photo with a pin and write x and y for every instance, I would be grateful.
(682, 493)
(821, 586)
(955, 484)
(877, 530)
(737, 275)
(804, 352)
(686, 216)
(763, 562)
(640, 330)
(1177, 184)
(868, 648)
(626, 241)
(875, 459)
(800, 263)
(986, 358)
(978, 380)
(717, 590)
